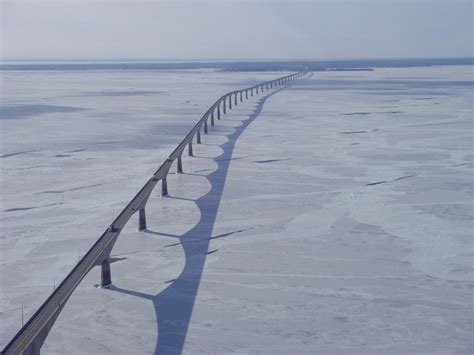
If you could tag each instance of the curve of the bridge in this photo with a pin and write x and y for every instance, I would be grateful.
(32, 335)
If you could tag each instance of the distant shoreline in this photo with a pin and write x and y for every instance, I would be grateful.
(241, 66)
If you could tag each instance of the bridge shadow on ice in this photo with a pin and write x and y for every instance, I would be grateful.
(174, 305)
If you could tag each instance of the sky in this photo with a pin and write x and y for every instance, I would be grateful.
(235, 29)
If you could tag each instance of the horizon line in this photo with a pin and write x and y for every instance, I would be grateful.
(217, 60)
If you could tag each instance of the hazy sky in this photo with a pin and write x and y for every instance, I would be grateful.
(240, 29)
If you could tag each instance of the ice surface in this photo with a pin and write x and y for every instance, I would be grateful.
(334, 216)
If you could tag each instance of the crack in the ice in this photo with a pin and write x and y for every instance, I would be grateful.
(73, 189)
(17, 153)
(385, 181)
(270, 160)
(353, 132)
(30, 208)
(357, 113)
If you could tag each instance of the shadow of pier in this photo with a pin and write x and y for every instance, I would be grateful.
(174, 305)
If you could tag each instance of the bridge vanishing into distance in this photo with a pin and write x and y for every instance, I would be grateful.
(30, 338)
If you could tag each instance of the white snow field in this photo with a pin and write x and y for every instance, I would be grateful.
(333, 216)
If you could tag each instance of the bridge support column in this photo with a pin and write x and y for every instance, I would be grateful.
(223, 107)
(251, 92)
(246, 94)
(230, 102)
(198, 136)
(106, 275)
(141, 219)
(212, 118)
(219, 112)
(179, 169)
(205, 127)
(164, 187)
(235, 99)
(241, 96)
(190, 149)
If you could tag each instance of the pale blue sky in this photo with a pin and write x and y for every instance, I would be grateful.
(240, 29)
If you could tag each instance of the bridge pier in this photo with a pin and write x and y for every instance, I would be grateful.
(223, 107)
(179, 169)
(219, 112)
(190, 149)
(198, 136)
(205, 127)
(164, 187)
(106, 274)
(141, 219)
(212, 118)
(235, 99)
(246, 94)
(241, 96)
(230, 102)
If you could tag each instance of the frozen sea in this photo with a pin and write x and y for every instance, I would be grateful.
(332, 216)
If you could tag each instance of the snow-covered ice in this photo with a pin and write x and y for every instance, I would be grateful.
(333, 216)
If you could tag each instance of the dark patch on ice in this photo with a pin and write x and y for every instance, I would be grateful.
(404, 177)
(19, 209)
(62, 155)
(83, 187)
(17, 153)
(376, 183)
(424, 98)
(30, 208)
(353, 132)
(29, 167)
(109, 142)
(201, 170)
(390, 101)
(375, 130)
(231, 159)
(354, 143)
(270, 160)
(393, 112)
(187, 102)
(230, 233)
(437, 124)
(295, 118)
(170, 281)
(212, 251)
(73, 189)
(455, 165)
(174, 244)
(76, 151)
(23, 111)
(385, 181)
(357, 113)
